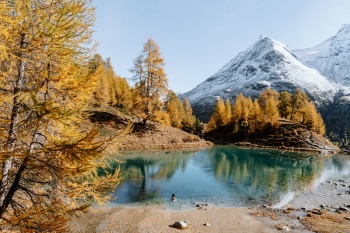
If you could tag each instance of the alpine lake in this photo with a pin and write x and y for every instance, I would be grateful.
(224, 176)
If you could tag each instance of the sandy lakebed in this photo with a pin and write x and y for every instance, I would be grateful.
(325, 207)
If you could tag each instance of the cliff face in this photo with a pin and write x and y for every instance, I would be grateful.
(289, 135)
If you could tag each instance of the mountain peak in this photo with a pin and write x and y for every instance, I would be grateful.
(331, 57)
(344, 30)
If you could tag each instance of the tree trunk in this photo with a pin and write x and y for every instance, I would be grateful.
(4, 185)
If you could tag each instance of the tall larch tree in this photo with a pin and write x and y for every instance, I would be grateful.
(217, 118)
(175, 110)
(151, 81)
(257, 118)
(265, 96)
(49, 161)
(271, 111)
(298, 103)
(123, 94)
(228, 109)
(284, 105)
(237, 110)
(188, 119)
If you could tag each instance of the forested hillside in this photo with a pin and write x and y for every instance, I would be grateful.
(254, 116)
(149, 98)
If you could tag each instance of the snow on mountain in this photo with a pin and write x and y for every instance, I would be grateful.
(267, 63)
(332, 57)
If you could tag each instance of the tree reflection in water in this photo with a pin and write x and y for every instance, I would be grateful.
(222, 173)
(263, 175)
(154, 165)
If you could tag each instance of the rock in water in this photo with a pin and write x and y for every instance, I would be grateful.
(181, 225)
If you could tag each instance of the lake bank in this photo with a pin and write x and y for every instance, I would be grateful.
(316, 182)
(156, 218)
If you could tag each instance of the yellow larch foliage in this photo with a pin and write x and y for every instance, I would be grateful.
(49, 150)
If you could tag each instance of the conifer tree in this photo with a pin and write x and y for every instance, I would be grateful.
(237, 111)
(257, 118)
(228, 109)
(298, 103)
(271, 111)
(198, 127)
(123, 94)
(150, 79)
(265, 96)
(284, 106)
(320, 126)
(49, 161)
(312, 119)
(188, 119)
(217, 118)
(175, 110)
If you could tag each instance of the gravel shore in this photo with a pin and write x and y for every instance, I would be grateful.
(157, 220)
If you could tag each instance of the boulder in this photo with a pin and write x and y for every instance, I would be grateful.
(180, 225)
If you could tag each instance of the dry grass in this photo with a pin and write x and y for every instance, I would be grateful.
(327, 223)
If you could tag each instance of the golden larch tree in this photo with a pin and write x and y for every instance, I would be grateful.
(49, 151)
(284, 105)
(228, 109)
(188, 119)
(175, 110)
(217, 118)
(151, 81)
(265, 96)
(298, 102)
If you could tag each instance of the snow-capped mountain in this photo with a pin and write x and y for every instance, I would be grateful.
(267, 63)
(332, 57)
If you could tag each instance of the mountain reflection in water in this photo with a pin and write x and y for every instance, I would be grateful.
(222, 175)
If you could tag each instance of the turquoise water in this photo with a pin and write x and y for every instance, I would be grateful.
(222, 176)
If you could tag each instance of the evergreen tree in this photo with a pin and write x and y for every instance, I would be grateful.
(49, 161)
(150, 79)
(198, 126)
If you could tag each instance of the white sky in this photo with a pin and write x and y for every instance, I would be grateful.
(198, 37)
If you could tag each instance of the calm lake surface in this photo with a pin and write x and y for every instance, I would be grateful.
(223, 176)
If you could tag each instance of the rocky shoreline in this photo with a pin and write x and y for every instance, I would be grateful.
(324, 208)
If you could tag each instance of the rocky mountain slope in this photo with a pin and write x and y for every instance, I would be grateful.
(332, 57)
(268, 63)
